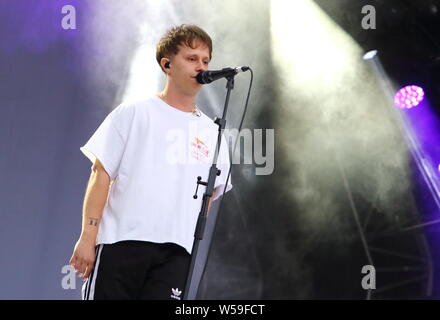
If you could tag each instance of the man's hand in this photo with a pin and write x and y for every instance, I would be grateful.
(209, 205)
(83, 257)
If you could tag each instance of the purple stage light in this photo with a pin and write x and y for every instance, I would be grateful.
(408, 97)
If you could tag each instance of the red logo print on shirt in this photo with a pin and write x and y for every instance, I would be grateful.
(199, 149)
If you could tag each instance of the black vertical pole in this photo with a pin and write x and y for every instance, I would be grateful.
(191, 289)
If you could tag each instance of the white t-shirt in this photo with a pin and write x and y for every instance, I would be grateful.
(153, 154)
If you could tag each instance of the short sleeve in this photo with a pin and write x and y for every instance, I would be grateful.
(106, 144)
(224, 164)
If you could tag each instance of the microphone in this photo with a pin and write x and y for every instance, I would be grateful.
(208, 76)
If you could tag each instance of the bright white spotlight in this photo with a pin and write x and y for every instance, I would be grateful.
(370, 55)
(313, 51)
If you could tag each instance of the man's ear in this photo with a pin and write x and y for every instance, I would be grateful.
(165, 63)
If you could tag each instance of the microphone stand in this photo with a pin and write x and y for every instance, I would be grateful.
(191, 291)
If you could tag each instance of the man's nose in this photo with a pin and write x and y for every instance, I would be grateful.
(201, 66)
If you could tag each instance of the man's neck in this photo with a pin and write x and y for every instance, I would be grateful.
(179, 101)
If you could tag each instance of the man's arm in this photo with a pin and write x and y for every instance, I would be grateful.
(83, 256)
(209, 205)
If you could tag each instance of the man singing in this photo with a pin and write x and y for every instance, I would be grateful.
(139, 214)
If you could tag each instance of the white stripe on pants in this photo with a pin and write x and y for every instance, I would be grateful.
(88, 288)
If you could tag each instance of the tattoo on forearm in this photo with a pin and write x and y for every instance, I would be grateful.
(93, 222)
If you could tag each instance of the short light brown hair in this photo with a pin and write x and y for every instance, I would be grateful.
(185, 34)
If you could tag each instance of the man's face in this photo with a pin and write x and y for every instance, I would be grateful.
(185, 66)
